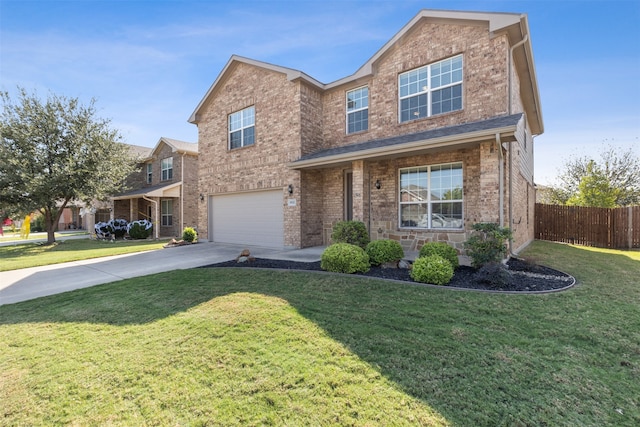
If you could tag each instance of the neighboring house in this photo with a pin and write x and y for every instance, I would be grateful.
(164, 190)
(432, 134)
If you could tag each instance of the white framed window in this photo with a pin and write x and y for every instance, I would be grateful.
(242, 128)
(431, 89)
(166, 168)
(431, 196)
(358, 110)
(166, 212)
(149, 173)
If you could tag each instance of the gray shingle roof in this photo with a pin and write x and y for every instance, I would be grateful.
(397, 141)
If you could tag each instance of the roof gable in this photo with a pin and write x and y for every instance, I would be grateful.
(514, 25)
(176, 146)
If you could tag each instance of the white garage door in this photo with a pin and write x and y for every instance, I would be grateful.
(248, 218)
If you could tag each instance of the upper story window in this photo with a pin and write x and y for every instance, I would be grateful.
(149, 173)
(166, 168)
(242, 128)
(358, 110)
(431, 196)
(430, 90)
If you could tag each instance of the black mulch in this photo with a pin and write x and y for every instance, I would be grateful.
(525, 277)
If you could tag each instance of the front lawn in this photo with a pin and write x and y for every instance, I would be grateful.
(26, 255)
(245, 347)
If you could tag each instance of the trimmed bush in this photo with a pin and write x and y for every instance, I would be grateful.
(345, 258)
(487, 244)
(381, 251)
(119, 227)
(140, 229)
(439, 248)
(353, 232)
(432, 269)
(494, 274)
(189, 234)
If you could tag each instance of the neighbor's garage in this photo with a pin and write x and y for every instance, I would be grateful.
(254, 218)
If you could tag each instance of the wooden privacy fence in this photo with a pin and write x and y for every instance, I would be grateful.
(617, 228)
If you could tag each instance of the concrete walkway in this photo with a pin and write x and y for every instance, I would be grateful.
(30, 283)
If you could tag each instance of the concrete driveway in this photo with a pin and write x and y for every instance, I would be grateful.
(30, 283)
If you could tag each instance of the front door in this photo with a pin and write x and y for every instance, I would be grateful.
(348, 196)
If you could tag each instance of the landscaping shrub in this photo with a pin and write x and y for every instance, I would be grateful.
(189, 234)
(345, 258)
(439, 248)
(119, 227)
(381, 251)
(140, 229)
(353, 232)
(494, 274)
(103, 230)
(487, 244)
(432, 269)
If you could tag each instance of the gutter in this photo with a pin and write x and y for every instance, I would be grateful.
(501, 178)
(402, 149)
(520, 43)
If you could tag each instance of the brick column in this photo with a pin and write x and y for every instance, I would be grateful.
(489, 184)
(360, 190)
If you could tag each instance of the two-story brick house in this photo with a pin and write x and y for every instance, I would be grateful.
(164, 190)
(431, 135)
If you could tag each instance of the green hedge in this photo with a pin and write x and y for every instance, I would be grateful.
(345, 258)
(432, 269)
(439, 248)
(381, 251)
(353, 232)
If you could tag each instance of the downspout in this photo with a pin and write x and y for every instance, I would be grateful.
(501, 178)
(156, 228)
(182, 193)
(520, 43)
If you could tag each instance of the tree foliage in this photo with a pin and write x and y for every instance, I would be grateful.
(56, 151)
(612, 180)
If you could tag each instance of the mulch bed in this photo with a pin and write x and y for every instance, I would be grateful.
(525, 277)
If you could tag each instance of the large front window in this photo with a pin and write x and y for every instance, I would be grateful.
(242, 128)
(431, 196)
(166, 212)
(430, 90)
(358, 110)
(166, 167)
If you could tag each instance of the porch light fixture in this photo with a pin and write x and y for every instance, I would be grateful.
(201, 197)
(377, 184)
(290, 188)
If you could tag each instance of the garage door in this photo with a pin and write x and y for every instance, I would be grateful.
(248, 218)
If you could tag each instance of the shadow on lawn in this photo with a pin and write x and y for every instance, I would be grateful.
(418, 338)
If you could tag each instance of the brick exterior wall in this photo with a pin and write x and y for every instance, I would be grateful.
(293, 118)
(262, 165)
(138, 208)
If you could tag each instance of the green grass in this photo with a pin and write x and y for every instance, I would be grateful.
(10, 236)
(36, 254)
(241, 347)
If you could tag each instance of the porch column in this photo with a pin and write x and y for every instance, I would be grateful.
(132, 209)
(360, 190)
(489, 184)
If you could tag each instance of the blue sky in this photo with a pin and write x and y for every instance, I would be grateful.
(148, 63)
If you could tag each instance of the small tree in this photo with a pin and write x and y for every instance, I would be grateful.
(488, 244)
(56, 151)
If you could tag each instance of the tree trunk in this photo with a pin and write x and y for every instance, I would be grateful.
(51, 218)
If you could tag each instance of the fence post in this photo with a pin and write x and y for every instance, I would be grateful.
(630, 227)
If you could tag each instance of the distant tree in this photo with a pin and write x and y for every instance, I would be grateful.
(595, 189)
(590, 182)
(56, 151)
